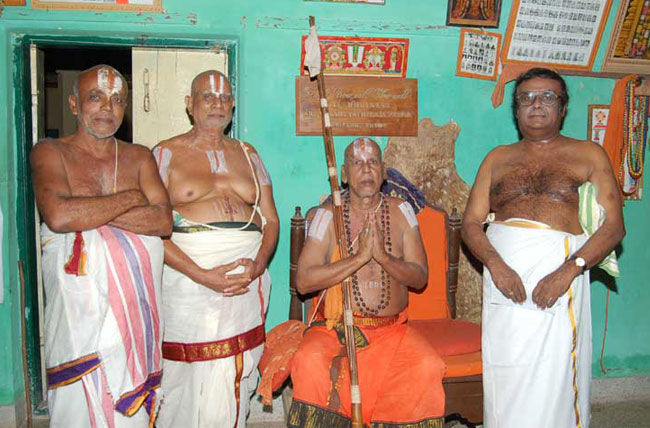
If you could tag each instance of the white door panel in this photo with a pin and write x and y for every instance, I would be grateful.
(161, 80)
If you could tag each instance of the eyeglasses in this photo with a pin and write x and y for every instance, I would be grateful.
(527, 98)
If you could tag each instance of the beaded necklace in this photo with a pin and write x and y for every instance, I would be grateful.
(385, 278)
(638, 138)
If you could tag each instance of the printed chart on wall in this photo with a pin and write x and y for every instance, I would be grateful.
(478, 54)
(564, 33)
(108, 5)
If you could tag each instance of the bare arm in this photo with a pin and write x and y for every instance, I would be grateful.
(478, 207)
(316, 272)
(255, 268)
(270, 236)
(62, 211)
(412, 270)
(600, 244)
(155, 218)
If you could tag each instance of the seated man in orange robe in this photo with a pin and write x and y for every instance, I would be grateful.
(400, 374)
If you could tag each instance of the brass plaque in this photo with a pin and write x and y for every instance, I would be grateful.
(359, 106)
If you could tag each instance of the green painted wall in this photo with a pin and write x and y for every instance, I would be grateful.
(269, 33)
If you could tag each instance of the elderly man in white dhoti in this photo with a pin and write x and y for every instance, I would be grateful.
(104, 209)
(215, 283)
(536, 253)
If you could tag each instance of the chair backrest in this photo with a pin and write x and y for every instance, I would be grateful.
(441, 236)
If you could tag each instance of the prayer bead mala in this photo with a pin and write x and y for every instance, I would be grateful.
(385, 278)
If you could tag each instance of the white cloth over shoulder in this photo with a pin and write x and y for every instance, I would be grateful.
(202, 394)
(530, 377)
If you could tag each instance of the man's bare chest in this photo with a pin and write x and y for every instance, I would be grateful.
(542, 180)
(93, 176)
(210, 173)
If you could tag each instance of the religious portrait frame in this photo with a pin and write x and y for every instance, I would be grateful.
(471, 13)
(478, 54)
(360, 56)
(152, 6)
(561, 36)
(629, 30)
(597, 122)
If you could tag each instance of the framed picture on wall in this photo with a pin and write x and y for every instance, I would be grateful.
(478, 54)
(105, 5)
(629, 45)
(474, 13)
(560, 34)
(597, 122)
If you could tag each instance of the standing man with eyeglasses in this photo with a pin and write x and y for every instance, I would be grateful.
(537, 254)
(215, 282)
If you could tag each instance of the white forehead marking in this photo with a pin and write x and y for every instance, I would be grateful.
(362, 148)
(409, 214)
(102, 78)
(104, 81)
(319, 224)
(213, 89)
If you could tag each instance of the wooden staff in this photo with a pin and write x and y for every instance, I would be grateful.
(348, 321)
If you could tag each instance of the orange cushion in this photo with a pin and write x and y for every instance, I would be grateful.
(281, 344)
(463, 365)
(432, 301)
(450, 337)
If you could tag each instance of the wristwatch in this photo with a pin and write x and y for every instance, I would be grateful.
(579, 261)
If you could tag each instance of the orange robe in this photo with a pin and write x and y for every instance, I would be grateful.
(400, 377)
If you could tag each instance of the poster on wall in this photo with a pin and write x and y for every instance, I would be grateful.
(353, 1)
(361, 56)
(560, 33)
(597, 123)
(106, 5)
(474, 13)
(478, 54)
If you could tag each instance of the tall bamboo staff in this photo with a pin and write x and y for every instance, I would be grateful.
(348, 321)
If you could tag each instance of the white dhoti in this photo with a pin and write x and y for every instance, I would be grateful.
(212, 343)
(102, 328)
(536, 363)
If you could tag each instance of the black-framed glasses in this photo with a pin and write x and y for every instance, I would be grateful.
(527, 98)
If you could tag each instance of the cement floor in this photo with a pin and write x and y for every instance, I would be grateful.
(628, 414)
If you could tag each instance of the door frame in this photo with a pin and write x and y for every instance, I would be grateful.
(22, 117)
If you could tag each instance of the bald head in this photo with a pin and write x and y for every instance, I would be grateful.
(362, 147)
(217, 81)
(107, 77)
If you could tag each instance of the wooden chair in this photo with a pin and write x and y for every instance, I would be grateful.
(463, 383)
